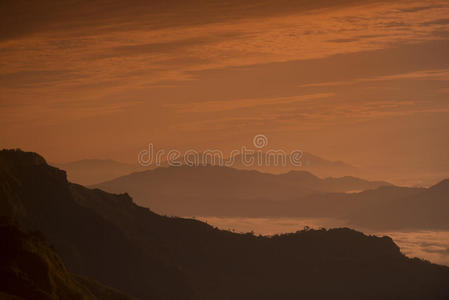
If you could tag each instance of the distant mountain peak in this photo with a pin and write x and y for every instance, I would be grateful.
(441, 186)
(93, 170)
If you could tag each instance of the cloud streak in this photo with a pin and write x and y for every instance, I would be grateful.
(220, 106)
(426, 75)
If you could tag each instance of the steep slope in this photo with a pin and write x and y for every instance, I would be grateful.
(310, 264)
(212, 190)
(30, 269)
(39, 197)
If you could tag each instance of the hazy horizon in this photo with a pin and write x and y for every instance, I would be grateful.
(362, 82)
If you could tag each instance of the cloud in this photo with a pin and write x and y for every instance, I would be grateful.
(427, 75)
(101, 42)
(416, 9)
(173, 47)
(344, 40)
(437, 22)
(216, 106)
(30, 78)
(23, 18)
(297, 115)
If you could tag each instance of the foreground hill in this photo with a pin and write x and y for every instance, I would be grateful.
(30, 269)
(110, 239)
(210, 190)
(39, 197)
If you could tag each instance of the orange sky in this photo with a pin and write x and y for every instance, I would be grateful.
(362, 81)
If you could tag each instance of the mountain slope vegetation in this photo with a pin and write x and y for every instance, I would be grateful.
(30, 269)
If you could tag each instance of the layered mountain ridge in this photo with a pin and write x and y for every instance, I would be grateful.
(109, 238)
(213, 190)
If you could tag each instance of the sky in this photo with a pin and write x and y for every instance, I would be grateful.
(366, 82)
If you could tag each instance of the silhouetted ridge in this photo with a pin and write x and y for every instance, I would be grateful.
(38, 196)
(224, 191)
(301, 174)
(403, 208)
(15, 157)
(108, 238)
(309, 162)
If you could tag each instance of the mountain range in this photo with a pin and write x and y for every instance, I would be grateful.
(227, 192)
(211, 190)
(110, 239)
(308, 162)
(95, 171)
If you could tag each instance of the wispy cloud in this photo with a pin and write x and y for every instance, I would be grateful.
(103, 47)
(216, 106)
(428, 75)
